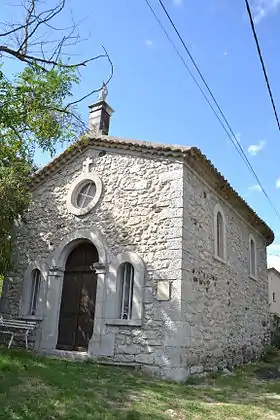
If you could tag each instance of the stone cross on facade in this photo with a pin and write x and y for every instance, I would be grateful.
(86, 164)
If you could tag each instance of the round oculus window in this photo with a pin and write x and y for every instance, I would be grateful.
(84, 194)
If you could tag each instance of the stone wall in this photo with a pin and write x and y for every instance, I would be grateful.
(140, 210)
(225, 310)
(217, 315)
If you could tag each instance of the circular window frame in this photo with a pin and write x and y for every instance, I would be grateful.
(82, 180)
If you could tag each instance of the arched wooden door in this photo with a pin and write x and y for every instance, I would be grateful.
(78, 299)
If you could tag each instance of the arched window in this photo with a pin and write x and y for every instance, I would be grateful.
(252, 257)
(219, 233)
(126, 276)
(34, 291)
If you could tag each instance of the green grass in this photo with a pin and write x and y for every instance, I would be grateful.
(33, 387)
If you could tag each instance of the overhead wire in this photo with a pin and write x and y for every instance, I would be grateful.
(236, 144)
(262, 62)
(186, 66)
(225, 125)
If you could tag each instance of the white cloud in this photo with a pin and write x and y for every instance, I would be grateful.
(255, 188)
(177, 2)
(273, 260)
(149, 43)
(225, 53)
(278, 183)
(273, 256)
(253, 149)
(262, 8)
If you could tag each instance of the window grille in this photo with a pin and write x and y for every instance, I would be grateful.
(127, 282)
(35, 288)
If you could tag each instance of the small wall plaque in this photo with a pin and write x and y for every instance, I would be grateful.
(163, 290)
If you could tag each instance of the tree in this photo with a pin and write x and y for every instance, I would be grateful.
(36, 110)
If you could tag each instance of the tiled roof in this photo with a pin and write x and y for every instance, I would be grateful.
(274, 271)
(192, 156)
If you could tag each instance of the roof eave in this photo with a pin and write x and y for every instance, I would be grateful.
(191, 154)
(195, 158)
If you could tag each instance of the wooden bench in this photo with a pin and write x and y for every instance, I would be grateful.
(17, 327)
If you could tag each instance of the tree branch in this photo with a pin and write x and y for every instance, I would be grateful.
(31, 59)
(52, 13)
(24, 44)
(30, 34)
(96, 90)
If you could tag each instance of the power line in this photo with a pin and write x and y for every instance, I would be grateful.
(262, 62)
(208, 89)
(227, 128)
(186, 66)
(194, 79)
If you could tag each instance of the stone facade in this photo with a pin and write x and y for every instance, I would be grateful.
(160, 213)
(225, 309)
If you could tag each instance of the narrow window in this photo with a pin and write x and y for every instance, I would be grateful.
(220, 236)
(253, 267)
(126, 282)
(35, 288)
(273, 297)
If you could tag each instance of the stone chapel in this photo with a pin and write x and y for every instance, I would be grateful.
(140, 253)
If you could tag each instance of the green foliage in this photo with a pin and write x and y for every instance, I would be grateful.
(32, 115)
(32, 108)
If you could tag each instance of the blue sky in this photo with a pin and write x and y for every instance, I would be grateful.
(155, 99)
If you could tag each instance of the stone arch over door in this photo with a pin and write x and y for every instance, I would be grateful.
(57, 263)
(60, 254)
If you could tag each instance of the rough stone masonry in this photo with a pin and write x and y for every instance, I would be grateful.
(199, 313)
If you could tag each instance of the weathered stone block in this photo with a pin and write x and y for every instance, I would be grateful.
(124, 358)
(149, 334)
(194, 370)
(148, 295)
(178, 333)
(179, 374)
(151, 342)
(128, 349)
(168, 356)
(146, 359)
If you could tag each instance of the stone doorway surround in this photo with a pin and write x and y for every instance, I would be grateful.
(100, 344)
(77, 305)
